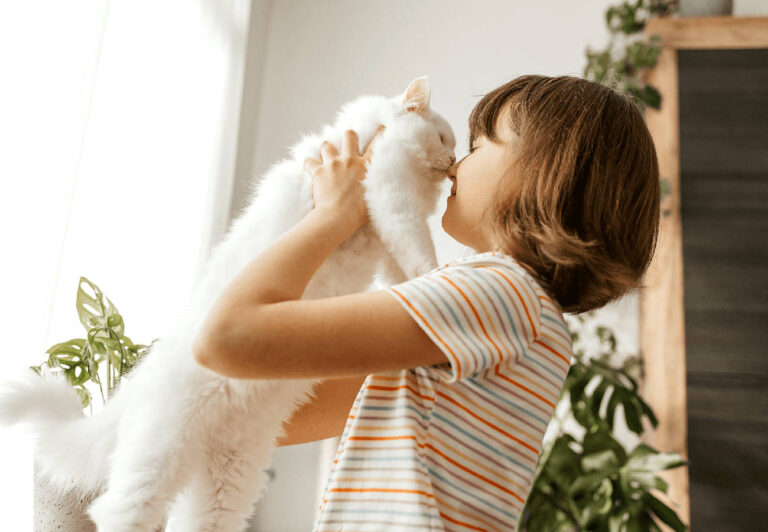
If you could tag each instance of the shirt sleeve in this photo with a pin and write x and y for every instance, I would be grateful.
(479, 315)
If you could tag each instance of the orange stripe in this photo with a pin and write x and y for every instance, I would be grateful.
(452, 520)
(382, 438)
(507, 434)
(481, 477)
(368, 479)
(534, 383)
(477, 316)
(556, 342)
(475, 462)
(515, 383)
(392, 388)
(545, 346)
(477, 406)
(533, 328)
(456, 359)
(488, 314)
(383, 490)
(467, 514)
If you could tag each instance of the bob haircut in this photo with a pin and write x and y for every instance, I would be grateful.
(579, 208)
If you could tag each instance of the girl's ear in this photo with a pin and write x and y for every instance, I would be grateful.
(416, 96)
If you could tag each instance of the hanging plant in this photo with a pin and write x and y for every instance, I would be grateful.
(623, 63)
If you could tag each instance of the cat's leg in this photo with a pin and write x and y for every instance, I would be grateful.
(390, 273)
(222, 494)
(146, 473)
(409, 242)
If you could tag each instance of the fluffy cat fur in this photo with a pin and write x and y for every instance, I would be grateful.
(180, 444)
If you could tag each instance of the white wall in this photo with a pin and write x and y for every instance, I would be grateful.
(320, 54)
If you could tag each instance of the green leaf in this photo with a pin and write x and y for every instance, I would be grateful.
(90, 308)
(656, 462)
(115, 322)
(94, 310)
(596, 399)
(603, 461)
(664, 512)
(610, 413)
(647, 411)
(84, 395)
(601, 440)
(616, 521)
(587, 482)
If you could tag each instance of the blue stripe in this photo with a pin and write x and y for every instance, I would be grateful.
(434, 305)
(525, 352)
(484, 444)
(513, 404)
(373, 511)
(423, 416)
(470, 494)
(500, 299)
(468, 337)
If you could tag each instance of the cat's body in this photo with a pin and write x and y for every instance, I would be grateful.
(181, 441)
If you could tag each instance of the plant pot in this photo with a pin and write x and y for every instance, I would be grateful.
(705, 8)
(56, 513)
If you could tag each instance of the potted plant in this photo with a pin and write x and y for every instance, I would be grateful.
(80, 359)
(591, 482)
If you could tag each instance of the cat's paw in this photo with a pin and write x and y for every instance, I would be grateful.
(111, 515)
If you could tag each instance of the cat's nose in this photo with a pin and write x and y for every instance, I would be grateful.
(453, 159)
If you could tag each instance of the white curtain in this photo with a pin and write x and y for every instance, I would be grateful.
(118, 126)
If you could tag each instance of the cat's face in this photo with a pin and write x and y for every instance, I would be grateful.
(409, 118)
(434, 135)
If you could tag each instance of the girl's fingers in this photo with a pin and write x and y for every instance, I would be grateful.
(328, 150)
(368, 151)
(349, 143)
(310, 165)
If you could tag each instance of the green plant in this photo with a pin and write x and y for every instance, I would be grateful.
(105, 341)
(621, 63)
(593, 483)
(626, 59)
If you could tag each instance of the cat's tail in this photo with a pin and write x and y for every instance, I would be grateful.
(71, 450)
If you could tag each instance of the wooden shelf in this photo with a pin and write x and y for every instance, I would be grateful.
(662, 324)
(710, 32)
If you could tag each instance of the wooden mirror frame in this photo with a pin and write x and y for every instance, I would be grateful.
(662, 325)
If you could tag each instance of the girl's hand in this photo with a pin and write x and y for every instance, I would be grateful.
(337, 180)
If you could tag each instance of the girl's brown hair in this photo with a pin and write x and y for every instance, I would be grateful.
(579, 208)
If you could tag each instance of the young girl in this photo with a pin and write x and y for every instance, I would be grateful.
(442, 386)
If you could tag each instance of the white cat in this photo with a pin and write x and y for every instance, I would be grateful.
(178, 436)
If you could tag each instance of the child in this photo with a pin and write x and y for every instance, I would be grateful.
(452, 377)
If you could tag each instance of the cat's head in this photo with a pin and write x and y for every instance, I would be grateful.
(421, 134)
(429, 129)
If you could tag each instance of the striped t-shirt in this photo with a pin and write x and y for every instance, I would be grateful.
(454, 446)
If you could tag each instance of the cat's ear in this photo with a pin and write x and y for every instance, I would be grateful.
(416, 96)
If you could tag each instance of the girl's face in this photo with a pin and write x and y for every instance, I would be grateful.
(474, 181)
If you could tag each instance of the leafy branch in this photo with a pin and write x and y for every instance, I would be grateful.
(623, 63)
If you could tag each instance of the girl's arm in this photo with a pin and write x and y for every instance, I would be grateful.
(259, 328)
(324, 417)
